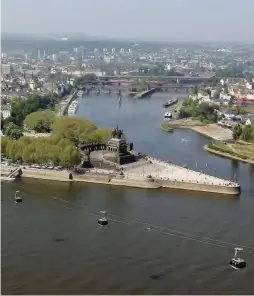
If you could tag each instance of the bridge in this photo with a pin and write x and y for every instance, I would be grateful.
(145, 93)
(186, 79)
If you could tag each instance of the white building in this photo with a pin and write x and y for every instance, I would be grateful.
(107, 59)
(225, 97)
(248, 122)
(168, 67)
(31, 84)
(5, 69)
(96, 72)
(250, 97)
(6, 111)
(249, 85)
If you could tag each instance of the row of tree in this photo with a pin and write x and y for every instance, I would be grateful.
(50, 149)
(204, 111)
(245, 133)
(59, 147)
(13, 126)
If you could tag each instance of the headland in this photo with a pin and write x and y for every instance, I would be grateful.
(117, 163)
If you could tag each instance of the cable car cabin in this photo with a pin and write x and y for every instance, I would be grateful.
(237, 263)
(17, 198)
(104, 219)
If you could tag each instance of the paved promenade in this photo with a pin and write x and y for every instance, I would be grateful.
(166, 171)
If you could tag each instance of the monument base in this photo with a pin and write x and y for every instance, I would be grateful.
(119, 159)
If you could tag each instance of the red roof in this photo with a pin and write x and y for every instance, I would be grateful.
(245, 101)
(120, 81)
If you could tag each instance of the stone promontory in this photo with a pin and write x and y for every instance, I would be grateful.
(116, 163)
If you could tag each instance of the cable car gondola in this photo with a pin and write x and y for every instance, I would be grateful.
(17, 198)
(104, 220)
(237, 262)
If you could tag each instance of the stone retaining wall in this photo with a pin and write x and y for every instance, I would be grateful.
(46, 174)
(129, 180)
(200, 187)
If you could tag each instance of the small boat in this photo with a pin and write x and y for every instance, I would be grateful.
(237, 262)
(17, 198)
(168, 115)
(104, 220)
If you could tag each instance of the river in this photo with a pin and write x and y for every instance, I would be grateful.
(52, 244)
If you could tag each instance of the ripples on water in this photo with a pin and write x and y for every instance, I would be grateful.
(54, 246)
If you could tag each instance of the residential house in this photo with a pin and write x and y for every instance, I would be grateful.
(229, 114)
(247, 119)
(6, 111)
(225, 97)
(97, 72)
(249, 85)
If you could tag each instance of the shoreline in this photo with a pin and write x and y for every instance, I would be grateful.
(212, 130)
(228, 155)
(137, 180)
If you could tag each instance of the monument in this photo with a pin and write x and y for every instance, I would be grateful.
(117, 149)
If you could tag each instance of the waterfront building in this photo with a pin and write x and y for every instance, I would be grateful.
(6, 111)
(5, 69)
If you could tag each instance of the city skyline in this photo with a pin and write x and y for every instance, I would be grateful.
(170, 20)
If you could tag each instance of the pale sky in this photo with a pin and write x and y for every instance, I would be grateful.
(164, 20)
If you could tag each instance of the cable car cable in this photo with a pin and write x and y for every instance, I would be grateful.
(155, 228)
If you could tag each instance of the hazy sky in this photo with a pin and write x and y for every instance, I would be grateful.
(183, 20)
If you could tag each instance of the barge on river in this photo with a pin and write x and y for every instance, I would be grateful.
(170, 102)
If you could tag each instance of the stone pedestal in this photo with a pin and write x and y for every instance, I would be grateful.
(116, 152)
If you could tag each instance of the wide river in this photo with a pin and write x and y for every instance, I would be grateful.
(52, 244)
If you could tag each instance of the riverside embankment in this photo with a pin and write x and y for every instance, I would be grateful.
(212, 131)
(228, 155)
(147, 173)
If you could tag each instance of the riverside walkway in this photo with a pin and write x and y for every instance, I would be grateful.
(162, 170)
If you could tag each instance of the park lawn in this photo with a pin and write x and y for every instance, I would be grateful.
(188, 122)
(246, 151)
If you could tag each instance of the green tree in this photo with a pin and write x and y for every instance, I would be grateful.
(195, 90)
(13, 131)
(72, 128)
(87, 78)
(40, 121)
(248, 133)
(237, 131)
(70, 156)
(97, 136)
(204, 111)
(4, 143)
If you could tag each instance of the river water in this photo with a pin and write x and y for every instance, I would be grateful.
(51, 243)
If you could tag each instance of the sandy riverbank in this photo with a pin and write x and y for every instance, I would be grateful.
(213, 130)
(228, 155)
